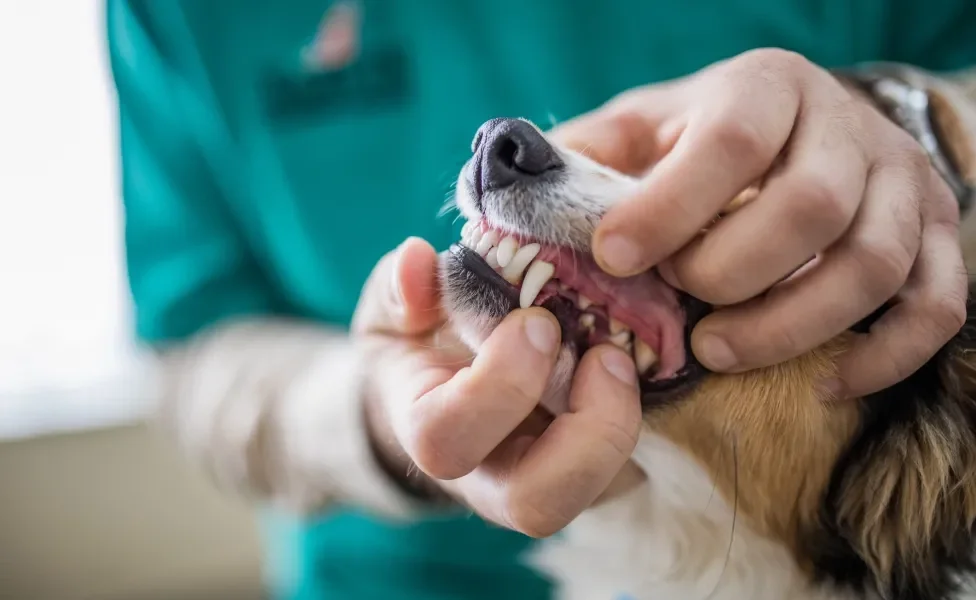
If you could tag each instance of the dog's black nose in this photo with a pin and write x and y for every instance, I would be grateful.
(511, 150)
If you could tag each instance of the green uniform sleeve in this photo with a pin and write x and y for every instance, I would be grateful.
(188, 263)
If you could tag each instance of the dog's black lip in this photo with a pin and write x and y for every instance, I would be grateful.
(654, 394)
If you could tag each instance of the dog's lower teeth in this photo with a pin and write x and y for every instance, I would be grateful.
(621, 339)
(587, 321)
(506, 251)
(643, 356)
(514, 270)
(538, 275)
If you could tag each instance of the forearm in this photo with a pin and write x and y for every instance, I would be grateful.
(273, 410)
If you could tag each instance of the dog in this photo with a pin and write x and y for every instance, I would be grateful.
(758, 486)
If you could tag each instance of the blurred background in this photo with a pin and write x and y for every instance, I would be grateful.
(94, 504)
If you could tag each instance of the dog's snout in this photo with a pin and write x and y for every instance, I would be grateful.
(510, 151)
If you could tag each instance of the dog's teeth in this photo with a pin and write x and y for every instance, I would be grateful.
(506, 250)
(643, 356)
(587, 320)
(621, 339)
(616, 326)
(538, 275)
(583, 302)
(492, 258)
(486, 242)
(467, 229)
(474, 237)
(512, 272)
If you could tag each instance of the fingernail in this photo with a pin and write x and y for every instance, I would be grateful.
(542, 333)
(620, 254)
(715, 353)
(620, 366)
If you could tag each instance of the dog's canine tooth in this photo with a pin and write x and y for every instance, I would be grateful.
(506, 250)
(643, 355)
(486, 242)
(513, 271)
(538, 275)
(492, 258)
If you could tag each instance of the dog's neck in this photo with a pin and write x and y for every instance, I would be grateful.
(672, 537)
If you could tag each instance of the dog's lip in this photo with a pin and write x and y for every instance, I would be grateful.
(654, 393)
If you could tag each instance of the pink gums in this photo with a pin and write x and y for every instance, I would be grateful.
(644, 303)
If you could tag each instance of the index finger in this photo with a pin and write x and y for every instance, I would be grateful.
(723, 150)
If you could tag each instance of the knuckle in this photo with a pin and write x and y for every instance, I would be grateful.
(432, 451)
(783, 341)
(738, 137)
(778, 58)
(884, 265)
(948, 314)
(529, 517)
(821, 204)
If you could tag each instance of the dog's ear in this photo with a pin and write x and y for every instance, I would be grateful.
(899, 515)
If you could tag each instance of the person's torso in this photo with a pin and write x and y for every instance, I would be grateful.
(337, 161)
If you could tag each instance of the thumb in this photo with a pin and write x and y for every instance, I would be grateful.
(402, 294)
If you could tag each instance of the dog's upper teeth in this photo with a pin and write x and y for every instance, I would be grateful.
(466, 231)
(583, 302)
(512, 272)
(539, 273)
(486, 242)
(643, 356)
(492, 258)
(506, 250)
(474, 237)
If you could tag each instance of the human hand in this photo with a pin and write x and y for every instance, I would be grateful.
(839, 183)
(473, 423)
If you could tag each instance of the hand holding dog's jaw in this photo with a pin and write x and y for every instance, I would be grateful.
(475, 427)
(855, 189)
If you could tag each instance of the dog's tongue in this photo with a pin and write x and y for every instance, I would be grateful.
(644, 303)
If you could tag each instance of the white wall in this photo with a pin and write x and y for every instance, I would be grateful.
(66, 358)
(100, 512)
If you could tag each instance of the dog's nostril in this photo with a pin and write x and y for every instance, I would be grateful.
(512, 150)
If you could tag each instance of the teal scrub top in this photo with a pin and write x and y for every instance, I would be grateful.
(255, 182)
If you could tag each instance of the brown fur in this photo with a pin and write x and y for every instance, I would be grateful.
(768, 438)
(896, 491)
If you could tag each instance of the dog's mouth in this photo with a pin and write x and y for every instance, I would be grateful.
(642, 315)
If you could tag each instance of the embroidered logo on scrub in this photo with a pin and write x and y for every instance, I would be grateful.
(342, 70)
(337, 42)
